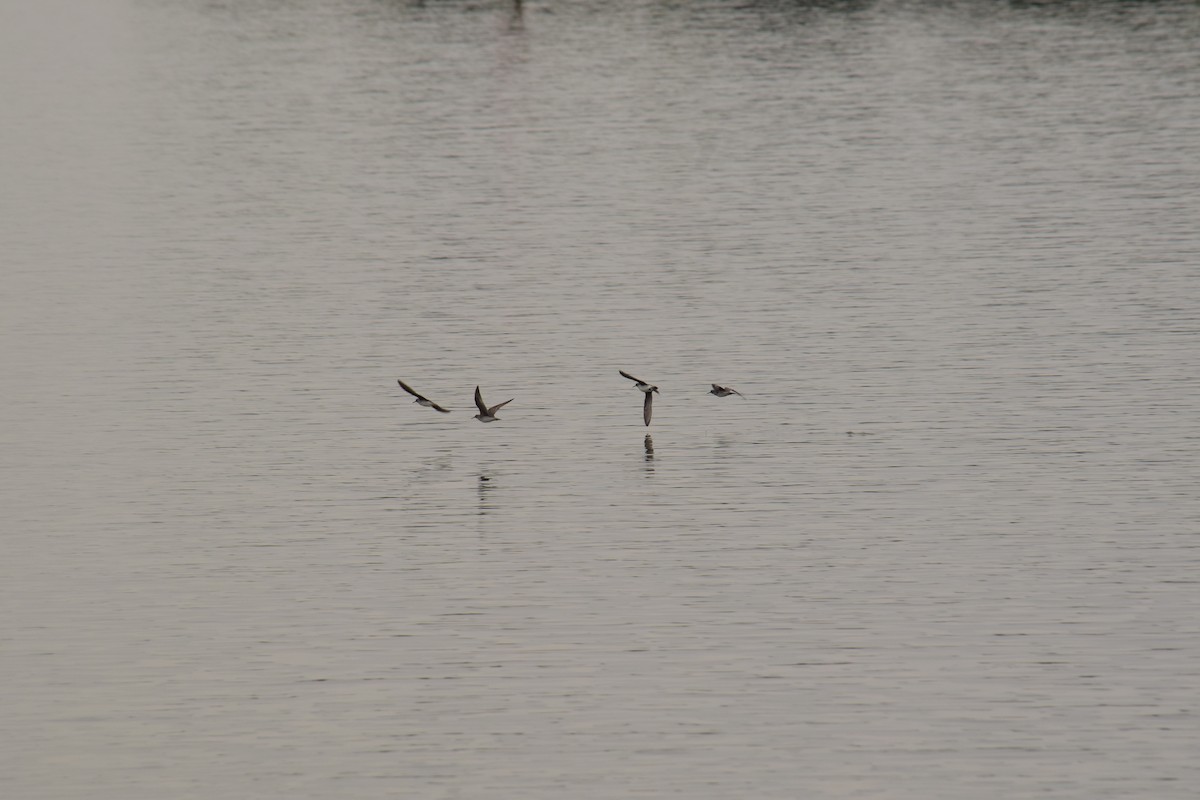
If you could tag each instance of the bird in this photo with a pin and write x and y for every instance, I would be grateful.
(645, 388)
(421, 400)
(488, 414)
(725, 391)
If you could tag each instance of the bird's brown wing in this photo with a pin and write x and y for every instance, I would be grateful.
(408, 389)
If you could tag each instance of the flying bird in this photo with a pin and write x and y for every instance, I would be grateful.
(725, 391)
(646, 389)
(488, 414)
(421, 400)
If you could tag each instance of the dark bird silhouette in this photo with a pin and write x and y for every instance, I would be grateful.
(421, 400)
(488, 414)
(646, 389)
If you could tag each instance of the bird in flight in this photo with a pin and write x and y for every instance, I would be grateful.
(421, 399)
(488, 414)
(646, 389)
(724, 391)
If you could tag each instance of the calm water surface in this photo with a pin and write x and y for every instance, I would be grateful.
(946, 547)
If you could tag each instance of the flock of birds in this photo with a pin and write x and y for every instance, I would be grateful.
(488, 413)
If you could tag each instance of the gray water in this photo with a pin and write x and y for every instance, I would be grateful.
(945, 547)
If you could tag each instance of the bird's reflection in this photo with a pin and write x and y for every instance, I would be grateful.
(485, 487)
(648, 443)
(516, 17)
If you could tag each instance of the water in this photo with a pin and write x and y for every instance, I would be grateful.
(946, 547)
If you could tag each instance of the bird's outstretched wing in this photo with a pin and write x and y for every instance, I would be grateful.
(492, 411)
(436, 407)
(408, 389)
(479, 403)
(648, 407)
(627, 375)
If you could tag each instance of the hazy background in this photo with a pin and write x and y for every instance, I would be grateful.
(946, 547)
